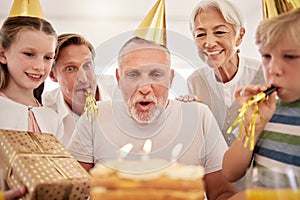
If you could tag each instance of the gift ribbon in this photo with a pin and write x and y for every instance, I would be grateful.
(31, 155)
(42, 153)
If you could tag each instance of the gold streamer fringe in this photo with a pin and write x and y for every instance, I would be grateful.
(90, 107)
(250, 132)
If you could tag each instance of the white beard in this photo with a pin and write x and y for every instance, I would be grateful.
(145, 116)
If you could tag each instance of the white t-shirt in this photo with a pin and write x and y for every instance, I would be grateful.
(54, 100)
(190, 124)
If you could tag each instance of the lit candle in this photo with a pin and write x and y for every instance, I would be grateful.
(176, 151)
(124, 151)
(147, 149)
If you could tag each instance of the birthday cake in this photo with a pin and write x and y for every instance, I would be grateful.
(150, 179)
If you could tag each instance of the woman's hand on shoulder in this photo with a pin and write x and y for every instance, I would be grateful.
(189, 98)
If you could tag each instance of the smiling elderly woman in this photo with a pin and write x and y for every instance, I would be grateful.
(218, 29)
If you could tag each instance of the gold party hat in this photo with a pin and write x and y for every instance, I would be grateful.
(153, 27)
(272, 8)
(31, 8)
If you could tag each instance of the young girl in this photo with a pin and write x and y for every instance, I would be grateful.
(27, 46)
(277, 132)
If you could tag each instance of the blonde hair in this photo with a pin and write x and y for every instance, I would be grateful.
(270, 31)
(10, 29)
(64, 40)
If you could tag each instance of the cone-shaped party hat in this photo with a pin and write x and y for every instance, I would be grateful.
(153, 27)
(272, 8)
(30, 8)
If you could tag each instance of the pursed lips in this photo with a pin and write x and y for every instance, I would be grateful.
(144, 105)
(83, 89)
(279, 88)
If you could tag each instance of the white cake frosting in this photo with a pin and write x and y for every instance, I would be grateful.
(149, 169)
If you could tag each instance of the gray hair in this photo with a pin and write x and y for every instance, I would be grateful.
(136, 43)
(229, 11)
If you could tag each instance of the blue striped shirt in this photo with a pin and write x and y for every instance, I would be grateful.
(279, 144)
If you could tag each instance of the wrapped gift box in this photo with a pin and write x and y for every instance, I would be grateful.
(40, 162)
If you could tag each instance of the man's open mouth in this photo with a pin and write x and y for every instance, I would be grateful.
(144, 105)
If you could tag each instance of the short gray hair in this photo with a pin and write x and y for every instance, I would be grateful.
(136, 43)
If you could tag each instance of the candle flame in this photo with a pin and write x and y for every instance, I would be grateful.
(125, 150)
(147, 146)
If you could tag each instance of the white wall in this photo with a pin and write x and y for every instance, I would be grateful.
(106, 23)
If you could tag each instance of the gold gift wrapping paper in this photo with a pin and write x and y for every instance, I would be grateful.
(43, 165)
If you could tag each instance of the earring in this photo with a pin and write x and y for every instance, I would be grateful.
(238, 51)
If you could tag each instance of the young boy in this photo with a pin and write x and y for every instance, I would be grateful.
(277, 130)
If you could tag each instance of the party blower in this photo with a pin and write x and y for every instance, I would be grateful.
(250, 131)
